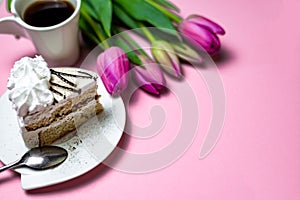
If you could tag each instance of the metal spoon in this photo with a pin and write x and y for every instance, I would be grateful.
(40, 158)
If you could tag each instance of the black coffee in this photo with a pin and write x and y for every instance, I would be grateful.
(48, 13)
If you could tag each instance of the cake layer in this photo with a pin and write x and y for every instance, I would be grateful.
(54, 113)
(47, 135)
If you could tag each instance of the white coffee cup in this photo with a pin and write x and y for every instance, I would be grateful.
(58, 44)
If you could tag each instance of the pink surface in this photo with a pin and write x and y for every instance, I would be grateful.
(257, 156)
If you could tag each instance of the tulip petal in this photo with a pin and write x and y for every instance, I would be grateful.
(200, 36)
(152, 71)
(202, 21)
(149, 77)
(140, 77)
(112, 66)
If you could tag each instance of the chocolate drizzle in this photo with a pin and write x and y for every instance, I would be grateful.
(87, 75)
(72, 86)
(57, 92)
(66, 88)
(55, 101)
(59, 75)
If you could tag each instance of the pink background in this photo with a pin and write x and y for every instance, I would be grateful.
(257, 156)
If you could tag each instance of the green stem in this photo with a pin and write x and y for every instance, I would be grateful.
(8, 4)
(165, 11)
(95, 28)
(92, 37)
(130, 42)
(147, 33)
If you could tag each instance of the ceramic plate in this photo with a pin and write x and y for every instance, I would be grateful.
(87, 148)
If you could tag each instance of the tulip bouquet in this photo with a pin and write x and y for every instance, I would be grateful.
(101, 19)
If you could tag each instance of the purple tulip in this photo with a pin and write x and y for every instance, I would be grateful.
(149, 76)
(202, 32)
(166, 56)
(112, 66)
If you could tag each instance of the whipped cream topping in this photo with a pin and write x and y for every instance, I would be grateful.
(29, 85)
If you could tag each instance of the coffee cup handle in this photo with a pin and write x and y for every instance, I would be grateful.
(9, 25)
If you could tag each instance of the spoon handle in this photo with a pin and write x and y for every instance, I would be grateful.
(9, 166)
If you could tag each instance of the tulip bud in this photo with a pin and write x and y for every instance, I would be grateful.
(202, 32)
(112, 66)
(187, 53)
(165, 55)
(149, 77)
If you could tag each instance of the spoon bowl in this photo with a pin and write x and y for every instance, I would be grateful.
(40, 158)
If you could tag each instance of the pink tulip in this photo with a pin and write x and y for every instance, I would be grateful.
(112, 66)
(202, 32)
(149, 76)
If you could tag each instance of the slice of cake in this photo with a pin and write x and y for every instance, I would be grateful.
(51, 102)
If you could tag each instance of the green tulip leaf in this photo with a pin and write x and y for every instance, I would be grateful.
(143, 11)
(167, 4)
(124, 17)
(129, 52)
(87, 30)
(101, 10)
